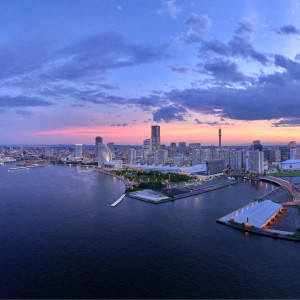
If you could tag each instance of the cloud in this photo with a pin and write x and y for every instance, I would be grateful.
(289, 122)
(120, 125)
(287, 29)
(197, 25)
(171, 8)
(238, 46)
(177, 69)
(87, 58)
(22, 101)
(223, 70)
(98, 53)
(169, 113)
(25, 113)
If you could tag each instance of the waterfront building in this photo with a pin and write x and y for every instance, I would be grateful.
(78, 150)
(182, 148)
(290, 165)
(236, 160)
(216, 166)
(258, 214)
(98, 141)
(131, 156)
(155, 137)
(256, 162)
(104, 154)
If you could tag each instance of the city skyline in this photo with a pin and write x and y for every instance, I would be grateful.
(70, 73)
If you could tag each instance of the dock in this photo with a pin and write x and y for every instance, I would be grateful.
(118, 201)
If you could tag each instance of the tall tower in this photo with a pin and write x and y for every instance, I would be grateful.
(220, 138)
(155, 137)
(97, 142)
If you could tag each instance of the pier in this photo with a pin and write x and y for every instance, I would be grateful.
(118, 201)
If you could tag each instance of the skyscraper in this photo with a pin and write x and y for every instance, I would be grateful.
(78, 150)
(131, 156)
(256, 145)
(172, 149)
(155, 137)
(98, 141)
(220, 137)
(182, 148)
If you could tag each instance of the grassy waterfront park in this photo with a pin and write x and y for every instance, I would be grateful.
(153, 180)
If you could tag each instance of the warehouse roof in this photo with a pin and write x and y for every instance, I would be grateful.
(260, 211)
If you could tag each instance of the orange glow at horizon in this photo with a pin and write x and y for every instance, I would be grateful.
(241, 133)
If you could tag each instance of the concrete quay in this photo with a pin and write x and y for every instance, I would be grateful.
(195, 191)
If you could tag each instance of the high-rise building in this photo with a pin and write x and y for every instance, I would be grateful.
(274, 155)
(172, 149)
(294, 153)
(131, 156)
(78, 150)
(292, 144)
(196, 157)
(256, 162)
(256, 145)
(98, 141)
(111, 147)
(147, 145)
(155, 137)
(236, 160)
(182, 148)
(161, 157)
(220, 137)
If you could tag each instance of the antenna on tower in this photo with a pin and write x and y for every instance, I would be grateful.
(220, 137)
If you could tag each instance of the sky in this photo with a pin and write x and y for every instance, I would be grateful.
(72, 70)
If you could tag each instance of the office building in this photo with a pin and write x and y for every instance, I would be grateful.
(161, 157)
(131, 156)
(98, 141)
(155, 137)
(182, 148)
(78, 150)
(235, 160)
(173, 149)
(256, 145)
(256, 162)
(215, 166)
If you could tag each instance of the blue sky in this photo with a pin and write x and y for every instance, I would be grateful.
(71, 70)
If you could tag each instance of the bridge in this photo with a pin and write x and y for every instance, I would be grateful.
(289, 187)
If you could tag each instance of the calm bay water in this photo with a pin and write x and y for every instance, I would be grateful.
(60, 238)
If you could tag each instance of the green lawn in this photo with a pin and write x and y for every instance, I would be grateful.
(285, 174)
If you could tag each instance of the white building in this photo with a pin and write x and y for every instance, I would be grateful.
(104, 154)
(290, 165)
(131, 156)
(258, 214)
(114, 164)
(78, 150)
